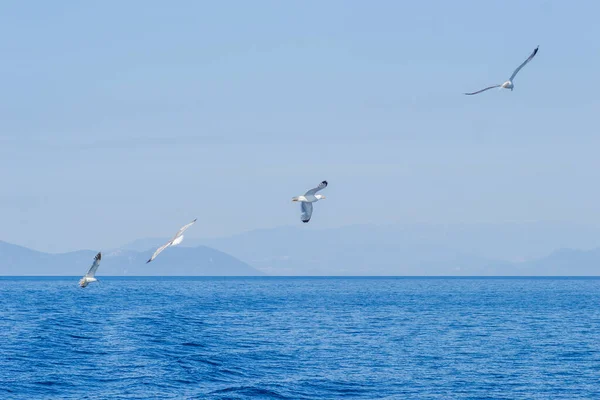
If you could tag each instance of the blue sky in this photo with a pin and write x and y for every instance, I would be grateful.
(122, 120)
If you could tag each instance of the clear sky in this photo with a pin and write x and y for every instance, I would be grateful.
(126, 119)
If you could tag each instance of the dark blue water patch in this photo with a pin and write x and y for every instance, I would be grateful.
(300, 338)
(248, 392)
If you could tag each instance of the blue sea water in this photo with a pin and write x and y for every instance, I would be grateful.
(300, 338)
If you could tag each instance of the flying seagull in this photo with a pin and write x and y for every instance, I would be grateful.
(178, 238)
(307, 200)
(509, 83)
(89, 277)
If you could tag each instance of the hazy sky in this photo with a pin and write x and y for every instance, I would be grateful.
(121, 120)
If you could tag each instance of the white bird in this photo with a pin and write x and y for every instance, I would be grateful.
(89, 277)
(306, 201)
(509, 83)
(178, 238)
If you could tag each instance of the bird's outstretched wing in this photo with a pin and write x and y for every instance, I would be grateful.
(159, 250)
(483, 90)
(307, 209)
(92, 271)
(312, 191)
(183, 229)
(524, 62)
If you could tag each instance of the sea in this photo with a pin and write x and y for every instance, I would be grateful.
(300, 338)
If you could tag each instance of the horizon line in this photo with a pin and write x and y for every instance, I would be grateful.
(110, 277)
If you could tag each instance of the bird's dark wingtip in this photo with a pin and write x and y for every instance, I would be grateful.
(98, 256)
(148, 261)
(306, 222)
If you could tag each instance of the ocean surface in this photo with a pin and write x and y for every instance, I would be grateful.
(300, 338)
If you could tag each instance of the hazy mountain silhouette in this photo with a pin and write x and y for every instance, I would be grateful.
(410, 249)
(414, 249)
(569, 262)
(190, 261)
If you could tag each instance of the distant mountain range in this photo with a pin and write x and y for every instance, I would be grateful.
(176, 261)
(525, 249)
(528, 248)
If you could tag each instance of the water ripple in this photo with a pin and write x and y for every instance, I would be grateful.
(276, 338)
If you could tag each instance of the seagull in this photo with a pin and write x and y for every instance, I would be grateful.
(89, 277)
(307, 200)
(509, 83)
(178, 238)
